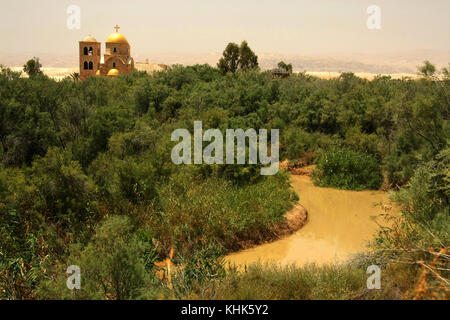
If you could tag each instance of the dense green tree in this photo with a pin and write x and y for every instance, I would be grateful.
(237, 58)
(32, 67)
(428, 69)
(116, 264)
(230, 60)
(247, 58)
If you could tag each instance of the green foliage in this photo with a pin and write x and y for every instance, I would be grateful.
(247, 58)
(420, 237)
(20, 235)
(346, 169)
(191, 214)
(237, 58)
(40, 209)
(298, 144)
(150, 95)
(286, 67)
(200, 269)
(74, 152)
(270, 282)
(116, 264)
(65, 195)
(427, 69)
(230, 60)
(32, 67)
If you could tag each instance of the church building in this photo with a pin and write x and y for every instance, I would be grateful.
(116, 60)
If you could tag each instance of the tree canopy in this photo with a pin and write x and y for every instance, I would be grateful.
(32, 67)
(237, 58)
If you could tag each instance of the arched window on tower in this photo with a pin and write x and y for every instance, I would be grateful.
(85, 51)
(115, 50)
(114, 65)
(86, 66)
(91, 65)
(91, 51)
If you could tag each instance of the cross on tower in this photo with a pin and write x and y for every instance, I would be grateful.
(117, 28)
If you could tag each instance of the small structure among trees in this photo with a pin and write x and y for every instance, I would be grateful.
(284, 70)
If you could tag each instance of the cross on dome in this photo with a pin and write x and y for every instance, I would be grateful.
(117, 28)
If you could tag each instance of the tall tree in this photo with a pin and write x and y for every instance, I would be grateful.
(32, 67)
(427, 70)
(247, 58)
(230, 60)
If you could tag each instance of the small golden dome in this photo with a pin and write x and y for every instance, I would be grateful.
(116, 38)
(97, 73)
(113, 73)
(89, 38)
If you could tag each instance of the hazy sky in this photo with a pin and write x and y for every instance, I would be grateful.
(206, 26)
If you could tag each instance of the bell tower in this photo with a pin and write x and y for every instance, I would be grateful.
(90, 56)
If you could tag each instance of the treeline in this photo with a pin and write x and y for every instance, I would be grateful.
(86, 175)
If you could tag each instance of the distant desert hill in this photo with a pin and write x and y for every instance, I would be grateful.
(364, 64)
(385, 63)
(382, 63)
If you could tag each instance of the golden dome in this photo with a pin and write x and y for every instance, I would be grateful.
(113, 73)
(89, 38)
(97, 73)
(116, 38)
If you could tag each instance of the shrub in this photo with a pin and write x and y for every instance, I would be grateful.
(65, 195)
(116, 264)
(420, 237)
(192, 213)
(272, 282)
(346, 169)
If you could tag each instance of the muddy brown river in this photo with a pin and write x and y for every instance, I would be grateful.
(339, 224)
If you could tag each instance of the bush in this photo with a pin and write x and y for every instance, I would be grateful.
(192, 213)
(65, 195)
(116, 264)
(200, 269)
(420, 237)
(346, 169)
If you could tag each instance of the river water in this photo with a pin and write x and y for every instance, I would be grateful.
(340, 223)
